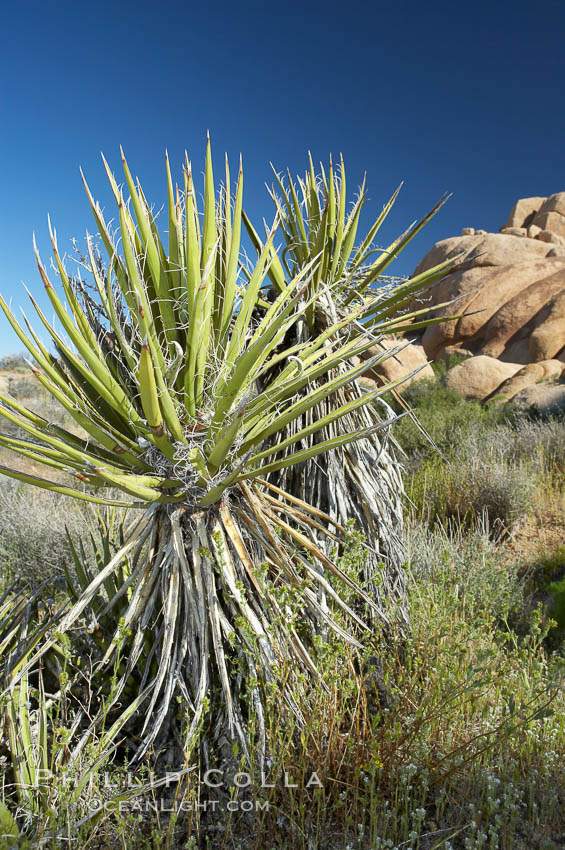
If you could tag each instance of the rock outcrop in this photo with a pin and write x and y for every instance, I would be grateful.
(533, 373)
(481, 293)
(523, 212)
(509, 294)
(517, 319)
(543, 399)
(488, 249)
(479, 377)
(548, 338)
(398, 366)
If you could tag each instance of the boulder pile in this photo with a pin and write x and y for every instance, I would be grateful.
(511, 291)
(510, 294)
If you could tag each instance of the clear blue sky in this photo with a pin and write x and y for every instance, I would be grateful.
(460, 97)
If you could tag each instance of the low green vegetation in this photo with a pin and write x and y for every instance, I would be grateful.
(451, 737)
(455, 740)
(556, 589)
(488, 462)
(546, 581)
(445, 415)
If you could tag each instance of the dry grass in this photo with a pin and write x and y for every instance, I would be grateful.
(33, 544)
(19, 382)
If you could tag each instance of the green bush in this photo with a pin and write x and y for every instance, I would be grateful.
(25, 388)
(541, 443)
(557, 604)
(465, 488)
(471, 565)
(546, 582)
(444, 413)
(489, 462)
(550, 567)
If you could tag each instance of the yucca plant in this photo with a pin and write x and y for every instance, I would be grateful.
(362, 480)
(179, 376)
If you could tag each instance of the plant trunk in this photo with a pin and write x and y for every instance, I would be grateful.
(361, 482)
(221, 606)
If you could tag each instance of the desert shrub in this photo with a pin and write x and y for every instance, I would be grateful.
(541, 442)
(490, 462)
(479, 577)
(482, 584)
(13, 361)
(535, 446)
(473, 625)
(33, 542)
(550, 567)
(25, 388)
(546, 581)
(452, 420)
(467, 487)
(445, 414)
(470, 742)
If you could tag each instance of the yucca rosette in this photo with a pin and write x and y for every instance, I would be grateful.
(190, 385)
(360, 481)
